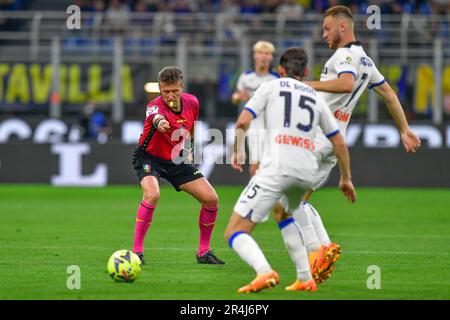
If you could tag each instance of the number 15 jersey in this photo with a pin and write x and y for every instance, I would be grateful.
(293, 112)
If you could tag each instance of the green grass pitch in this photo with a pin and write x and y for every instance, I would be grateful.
(43, 230)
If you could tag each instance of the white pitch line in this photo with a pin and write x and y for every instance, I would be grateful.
(104, 248)
(360, 235)
(378, 235)
(343, 251)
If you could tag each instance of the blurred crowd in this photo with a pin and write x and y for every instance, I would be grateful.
(11, 4)
(122, 7)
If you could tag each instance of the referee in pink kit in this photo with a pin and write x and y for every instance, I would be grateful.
(168, 126)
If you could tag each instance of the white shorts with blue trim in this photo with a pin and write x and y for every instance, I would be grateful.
(262, 192)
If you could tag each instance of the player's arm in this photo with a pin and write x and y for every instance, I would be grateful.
(330, 128)
(242, 125)
(343, 84)
(239, 96)
(254, 108)
(244, 120)
(410, 140)
(343, 156)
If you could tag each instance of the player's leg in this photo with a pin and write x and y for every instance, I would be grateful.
(238, 236)
(251, 208)
(279, 213)
(311, 238)
(319, 256)
(202, 190)
(310, 222)
(322, 260)
(316, 221)
(322, 263)
(148, 175)
(303, 219)
(281, 216)
(293, 239)
(150, 189)
(303, 214)
(291, 233)
(326, 164)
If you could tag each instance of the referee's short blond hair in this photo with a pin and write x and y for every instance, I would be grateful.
(264, 45)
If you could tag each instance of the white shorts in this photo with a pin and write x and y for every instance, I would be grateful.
(327, 160)
(262, 192)
(256, 140)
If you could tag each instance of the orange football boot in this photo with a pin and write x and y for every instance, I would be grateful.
(302, 286)
(319, 261)
(334, 251)
(262, 281)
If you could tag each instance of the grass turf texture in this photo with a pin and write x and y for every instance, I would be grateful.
(43, 230)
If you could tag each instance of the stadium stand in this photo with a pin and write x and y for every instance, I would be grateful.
(216, 36)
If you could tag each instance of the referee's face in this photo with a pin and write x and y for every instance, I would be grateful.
(331, 32)
(171, 93)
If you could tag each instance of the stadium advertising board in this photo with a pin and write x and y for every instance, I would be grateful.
(51, 151)
(27, 86)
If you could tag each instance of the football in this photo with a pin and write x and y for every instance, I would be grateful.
(124, 266)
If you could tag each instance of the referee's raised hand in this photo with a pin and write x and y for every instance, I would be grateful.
(163, 126)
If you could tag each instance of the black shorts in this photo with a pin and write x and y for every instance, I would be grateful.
(177, 174)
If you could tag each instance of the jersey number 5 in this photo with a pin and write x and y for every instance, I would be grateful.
(305, 103)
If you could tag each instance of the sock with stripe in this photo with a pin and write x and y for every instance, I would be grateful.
(143, 220)
(293, 240)
(249, 251)
(302, 218)
(206, 222)
(317, 224)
